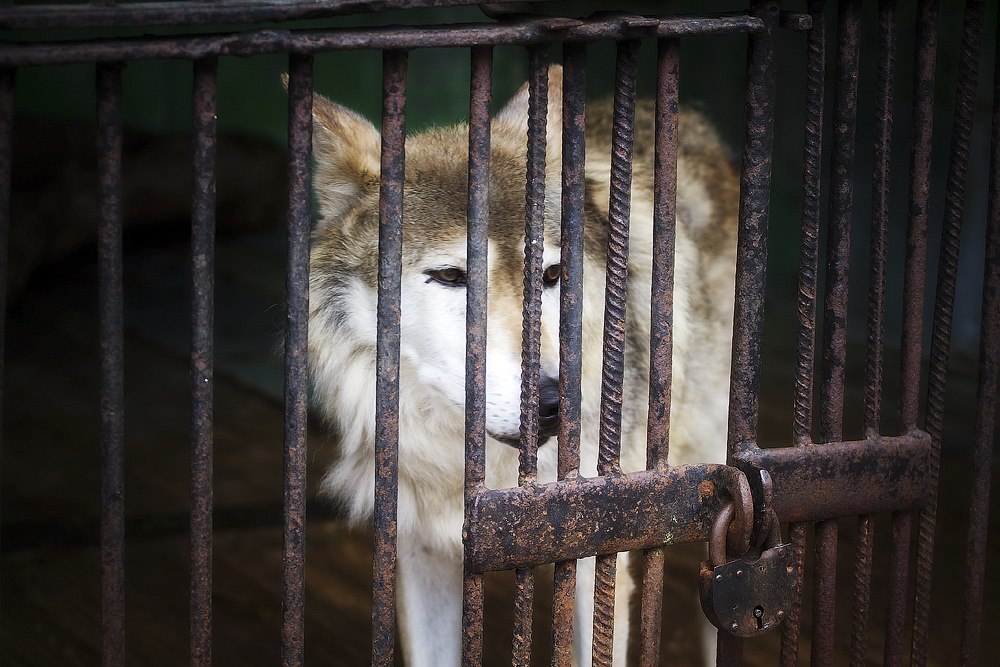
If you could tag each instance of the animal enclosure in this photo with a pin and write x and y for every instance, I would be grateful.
(158, 497)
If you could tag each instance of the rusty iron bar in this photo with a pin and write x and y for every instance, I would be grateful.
(874, 353)
(8, 80)
(989, 359)
(524, 595)
(664, 242)
(273, 40)
(531, 328)
(481, 80)
(616, 274)
(751, 267)
(899, 583)
(944, 298)
(111, 332)
(862, 590)
(534, 217)
(570, 323)
(882, 474)
(615, 306)
(549, 523)
(805, 349)
(809, 246)
(108, 14)
(915, 262)
(661, 326)
(880, 215)
(755, 186)
(844, 124)
(387, 353)
(202, 354)
(296, 350)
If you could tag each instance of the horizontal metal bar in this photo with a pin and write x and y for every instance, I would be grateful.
(881, 474)
(579, 517)
(272, 40)
(185, 12)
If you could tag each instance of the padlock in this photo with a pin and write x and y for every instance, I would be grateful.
(748, 596)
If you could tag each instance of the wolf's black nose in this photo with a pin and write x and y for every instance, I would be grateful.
(548, 407)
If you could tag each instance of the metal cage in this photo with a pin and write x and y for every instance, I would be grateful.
(817, 476)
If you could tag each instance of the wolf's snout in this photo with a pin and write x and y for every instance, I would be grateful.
(548, 407)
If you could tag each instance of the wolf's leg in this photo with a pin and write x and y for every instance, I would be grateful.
(584, 617)
(429, 602)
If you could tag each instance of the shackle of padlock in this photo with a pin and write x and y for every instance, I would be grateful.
(749, 595)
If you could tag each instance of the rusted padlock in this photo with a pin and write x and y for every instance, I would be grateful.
(751, 595)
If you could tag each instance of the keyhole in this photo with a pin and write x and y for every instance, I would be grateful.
(758, 613)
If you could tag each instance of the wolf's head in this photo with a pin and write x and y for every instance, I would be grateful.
(433, 329)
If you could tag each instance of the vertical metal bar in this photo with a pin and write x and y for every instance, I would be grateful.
(915, 262)
(899, 583)
(615, 304)
(876, 310)
(534, 209)
(925, 56)
(862, 591)
(570, 323)
(534, 212)
(475, 354)
(835, 308)
(296, 336)
(808, 277)
(755, 189)
(202, 327)
(661, 325)
(8, 79)
(109, 249)
(387, 352)
(880, 215)
(944, 298)
(986, 400)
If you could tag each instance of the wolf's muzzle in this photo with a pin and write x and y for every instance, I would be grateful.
(548, 408)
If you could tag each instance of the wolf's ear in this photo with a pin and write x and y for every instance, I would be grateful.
(513, 117)
(346, 148)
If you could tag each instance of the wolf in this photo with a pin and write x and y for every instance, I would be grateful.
(342, 330)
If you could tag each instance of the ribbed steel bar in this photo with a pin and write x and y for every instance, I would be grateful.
(862, 590)
(835, 308)
(805, 350)
(531, 328)
(915, 263)
(570, 323)
(534, 208)
(615, 304)
(542, 30)
(387, 353)
(986, 399)
(661, 326)
(876, 311)
(475, 347)
(111, 323)
(880, 215)
(944, 299)
(202, 370)
(296, 336)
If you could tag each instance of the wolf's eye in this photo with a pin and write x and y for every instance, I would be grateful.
(450, 276)
(551, 275)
